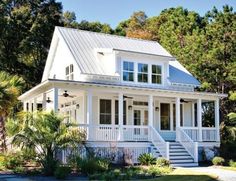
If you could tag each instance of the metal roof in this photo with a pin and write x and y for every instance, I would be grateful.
(83, 43)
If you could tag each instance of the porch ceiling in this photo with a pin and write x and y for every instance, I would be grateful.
(109, 87)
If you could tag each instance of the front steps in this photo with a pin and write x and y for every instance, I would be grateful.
(179, 157)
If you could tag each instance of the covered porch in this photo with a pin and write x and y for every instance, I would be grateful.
(146, 113)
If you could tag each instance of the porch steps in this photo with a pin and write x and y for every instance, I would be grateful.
(179, 157)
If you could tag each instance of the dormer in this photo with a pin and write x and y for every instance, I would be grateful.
(77, 55)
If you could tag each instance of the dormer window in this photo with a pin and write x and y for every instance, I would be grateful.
(142, 72)
(156, 74)
(128, 71)
(70, 72)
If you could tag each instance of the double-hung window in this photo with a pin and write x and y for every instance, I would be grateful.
(105, 111)
(142, 72)
(156, 74)
(128, 71)
(70, 72)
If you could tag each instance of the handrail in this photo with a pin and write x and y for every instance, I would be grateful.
(188, 143)
(159, 142)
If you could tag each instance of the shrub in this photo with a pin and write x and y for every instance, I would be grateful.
(232, 163)
(146, 159)
(157, 171)
(13, 160)
(19, 170)
(218, 160)
(92, 165)
(62, 172)
(162, 162)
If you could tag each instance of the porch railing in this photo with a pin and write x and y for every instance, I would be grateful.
(159, 143)
(208, 133)
(115, 132)
(188, 143)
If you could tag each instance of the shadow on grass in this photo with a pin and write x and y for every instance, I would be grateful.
(186, 178)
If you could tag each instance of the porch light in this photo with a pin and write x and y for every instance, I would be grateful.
(77, 106)
(48, 100)
(157, 108)
(130, 107)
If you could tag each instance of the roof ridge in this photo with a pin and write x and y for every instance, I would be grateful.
(112, 35)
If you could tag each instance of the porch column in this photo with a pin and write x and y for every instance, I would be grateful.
(44, 103)
(177, 116)
(150, 115)
(121, 97)
(25, 106)
(30, 106)
(217, 119)
(89, 113)
(199, 119)
(55, 100)
(35, 104)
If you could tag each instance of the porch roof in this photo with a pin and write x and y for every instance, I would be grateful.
(68, 84)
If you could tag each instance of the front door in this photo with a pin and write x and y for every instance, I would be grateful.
(140, 116)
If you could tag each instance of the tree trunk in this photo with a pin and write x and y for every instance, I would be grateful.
(3, 146)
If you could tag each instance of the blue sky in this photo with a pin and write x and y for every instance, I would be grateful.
(114, 11)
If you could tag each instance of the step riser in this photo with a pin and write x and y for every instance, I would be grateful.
(180, 157)
(181, 161)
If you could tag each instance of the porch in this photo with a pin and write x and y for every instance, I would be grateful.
(148, 115)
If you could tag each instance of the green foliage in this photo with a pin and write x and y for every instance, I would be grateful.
(159, 170)
(218, 160)
(162, 162)
(12, 160)
(146, 159)
(62, 172)
(232, 163)
(46, 133)
(92, 165)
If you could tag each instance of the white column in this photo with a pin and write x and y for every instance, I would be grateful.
(35, 104)
(217, 119)
(55, 100)
(30, 106)
(199, 119)
(121, 99)
(24, 106)
(89, 113)
(44, 103)
(150, 110)
(177, 116)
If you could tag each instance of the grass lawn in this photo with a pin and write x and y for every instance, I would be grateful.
(227, 168)
(181, 174)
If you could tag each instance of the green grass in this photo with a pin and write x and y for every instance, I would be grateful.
(181, 174)
(228, 168)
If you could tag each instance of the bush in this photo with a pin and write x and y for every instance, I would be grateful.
(62, 172)
(162, 162)
(218, 160)
(232, 163)
(13, 160)
(146, 159)
(92, 165)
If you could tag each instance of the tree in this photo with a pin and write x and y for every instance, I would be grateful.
(26, 28)
(46, 133)
(69, 19)
(95, 27)
(10, 88)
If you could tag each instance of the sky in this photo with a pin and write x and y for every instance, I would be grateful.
(115, 11)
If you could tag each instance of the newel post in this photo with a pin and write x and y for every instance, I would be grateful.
(196, 152)
(167, 150)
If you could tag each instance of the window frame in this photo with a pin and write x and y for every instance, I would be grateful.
(156, 74)
(128, 71)
(142, 73)
(102, 99)
(69, 72)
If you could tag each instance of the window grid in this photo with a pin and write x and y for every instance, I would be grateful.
(70, 72)
(143, 72)
(128, 71)
(156, 74)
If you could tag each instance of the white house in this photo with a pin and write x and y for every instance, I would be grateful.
(125, 92)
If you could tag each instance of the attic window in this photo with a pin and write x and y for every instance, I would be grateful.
(70, 72)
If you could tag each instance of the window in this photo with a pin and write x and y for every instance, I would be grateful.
(117, 112)
(165, 116)
(70, 72)
(142, 72)
(105, 111)
(128, 71)
(156, 74)
(140, 103)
